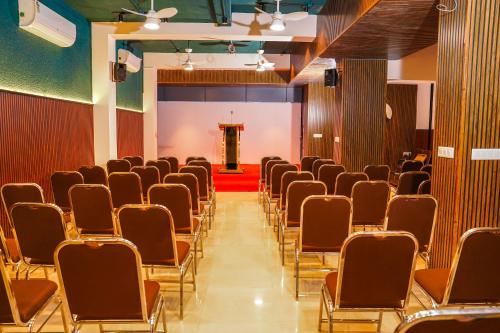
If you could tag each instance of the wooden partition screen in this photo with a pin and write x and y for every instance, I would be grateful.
(129, 133)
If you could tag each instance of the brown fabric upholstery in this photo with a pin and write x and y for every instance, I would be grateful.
(424, 187)
(411, 165)
(298, 191)
(459, 323)
(125, 188)
(328, 174)
(410, 181)
(39, 229)
(414, 214)
(208, 166)
(162, 166)
(94, 174)
(369, 202)
(277, 172)
(377, 270)
(201, 175)
(92, 209)
(346, 180)
(427, 168)
(263, 163)
(13, 250)
(61, 183)
(134, 160)
(433, 281)
(118, 166)
(318, 163)
(17, 192)
(269, 166)
(289, 177)
(306, 163)
(200, 209)
(177, 199)
(377, 172)
(325, 223)
(331, 283)
(149, 175)
(174, 163)
(195, 158)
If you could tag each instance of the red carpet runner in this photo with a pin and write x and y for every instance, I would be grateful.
(246, 182)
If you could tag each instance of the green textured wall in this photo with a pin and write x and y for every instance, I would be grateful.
(129, 93)
(31, 64)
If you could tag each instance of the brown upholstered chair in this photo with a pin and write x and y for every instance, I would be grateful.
(177, 199)
(163, 167)
(125, 188)
(346, 180)
(151, 229)
(93, 174)
(9, 251)
(410, 181)
(174, 163)
(195, 158)
(306, 163)
(101, 283)
(61, 182)
(325, 223)
(452, 320)
(149, 175)
(92, 209)
(424, 187)
(375, 274)
(267, 183)
(262, 179)
(328, 174)
(427, 168)
(208, 166)
(369, 202)
(318, 164)
(273, 196)
(23, 301)
(38, 230)
(201, 175)
(411, 165)
(134, 160)
(378, 172)
(118, 166)
(297, 192)
(473, 276)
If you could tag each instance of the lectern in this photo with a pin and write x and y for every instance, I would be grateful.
(231, 148)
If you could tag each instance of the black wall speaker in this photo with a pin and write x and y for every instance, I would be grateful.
(331, 77)
(119, 72)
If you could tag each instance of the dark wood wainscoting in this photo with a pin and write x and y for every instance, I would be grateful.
(129, 133)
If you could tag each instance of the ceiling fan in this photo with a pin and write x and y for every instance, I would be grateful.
(279, 19)
(231, 46)
(262, 64)
(153, 17)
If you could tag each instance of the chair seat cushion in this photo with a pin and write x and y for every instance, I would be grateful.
(331, 284)
(293, 224)
(198, 212)
(433, 281)
(187, 230)
(31, 295)
(12, 248)
(152, 290)
(182, 250)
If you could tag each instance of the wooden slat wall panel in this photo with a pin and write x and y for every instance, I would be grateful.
(467, 117)
(400, 131)
(40, 135)
(226, 77)
(422, 139)
(129, 133)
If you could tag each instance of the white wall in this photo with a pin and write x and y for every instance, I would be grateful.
(191, 128)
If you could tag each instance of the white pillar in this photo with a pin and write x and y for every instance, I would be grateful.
(150, 105)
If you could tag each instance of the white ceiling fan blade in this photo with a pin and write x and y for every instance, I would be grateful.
(261, 11)
(251, 65)
(134, 12)
(166, 13)
(297, 16)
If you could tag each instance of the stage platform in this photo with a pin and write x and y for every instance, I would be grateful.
(237, 182)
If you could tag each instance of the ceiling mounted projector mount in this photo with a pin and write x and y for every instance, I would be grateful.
(279, 19)
(153, 17)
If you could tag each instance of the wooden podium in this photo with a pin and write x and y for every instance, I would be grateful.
(231, 148)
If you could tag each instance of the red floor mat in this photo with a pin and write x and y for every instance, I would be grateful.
(245, 182)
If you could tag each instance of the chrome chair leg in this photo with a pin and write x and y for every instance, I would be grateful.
(297, 258)
(320, 320)
(379, 324)
(181, 294)
(164, 316)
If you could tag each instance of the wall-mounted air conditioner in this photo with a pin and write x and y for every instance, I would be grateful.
(128, 58)
(42, 21)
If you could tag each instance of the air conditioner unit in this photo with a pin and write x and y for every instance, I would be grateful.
(42, 21)
(128, 58)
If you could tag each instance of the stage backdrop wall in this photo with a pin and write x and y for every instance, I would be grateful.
(190, 128)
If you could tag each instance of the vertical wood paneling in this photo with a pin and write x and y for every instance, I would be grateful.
(226, 77)
(41, 135)
(129, 133)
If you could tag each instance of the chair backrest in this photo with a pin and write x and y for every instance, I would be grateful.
(208, 166)
(125, 188)
(369, 202)
(13, 193)
(149, 175)
(163, 167)
(376, 270)
(92, 209)
(346, 180)
(177, 199)
(328, 174)
(263, 162)
(151, 229)
(289, 177)
(474, 276)
(134, 160)
(415, 214)
(38, 230)
(101, 279)
(195, 158)
(174, 163)
(325, 223)
(477, 320)
(411, 165)
(61, 183)
(277, 172)
(298, 191)
(424, 187)
(318, 164)
(269, 166)
(94, 174)
(191, 183)
(427, 168)
(201, 175)
(377, 172)
(306, 163)
(118, 166)
(410, 181)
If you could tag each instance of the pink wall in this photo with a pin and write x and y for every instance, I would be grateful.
(190, 128)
